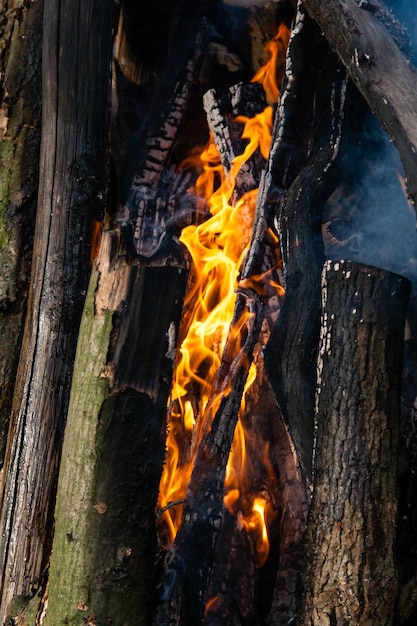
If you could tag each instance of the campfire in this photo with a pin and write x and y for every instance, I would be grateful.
(238, 446)
(218, 248)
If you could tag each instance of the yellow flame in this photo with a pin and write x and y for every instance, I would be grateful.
(217, 248)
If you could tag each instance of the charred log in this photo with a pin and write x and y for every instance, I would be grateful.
(306, 145)
(71, 193)
(19, 156)
(186, 578)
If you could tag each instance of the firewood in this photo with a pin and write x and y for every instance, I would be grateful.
(72, 185)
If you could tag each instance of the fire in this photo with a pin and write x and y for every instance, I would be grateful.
(267, 74)
(217, 248)
(96, 233)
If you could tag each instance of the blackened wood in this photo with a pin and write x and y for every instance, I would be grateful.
(144, 206)
(381, 72)
(306, 145)
(75, 96)
(186, 577)
(231, 596)
(351, 575)
(19, 161)
(227, 133)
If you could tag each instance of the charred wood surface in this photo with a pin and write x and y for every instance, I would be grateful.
(19, 157)
(71, 193)
(306, 144)
(351, 576)
(381, 72)
(186, 578)
(144, 206)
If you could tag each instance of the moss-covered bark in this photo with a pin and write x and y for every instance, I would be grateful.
(105, 541)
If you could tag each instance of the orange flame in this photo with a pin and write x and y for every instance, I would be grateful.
(267, 75)
(217, 248)
(96, 233)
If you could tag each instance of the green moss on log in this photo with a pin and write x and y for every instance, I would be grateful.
(70, 562)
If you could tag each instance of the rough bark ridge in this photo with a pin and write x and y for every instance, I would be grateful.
(351, 576)
(72, 191)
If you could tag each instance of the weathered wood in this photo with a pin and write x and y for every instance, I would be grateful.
(105, 542)
(71, 193)
(381, 72)
(351, 575)
(19, 158)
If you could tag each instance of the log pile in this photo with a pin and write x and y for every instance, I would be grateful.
(293, 326)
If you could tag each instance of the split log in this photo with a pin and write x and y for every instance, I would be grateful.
(105, 543)
(19, 157)
(71, 193)
(351, 575)
(145, 207)
(378, 68)
(245, 100)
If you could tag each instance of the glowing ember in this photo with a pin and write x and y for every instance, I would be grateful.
(217, 248)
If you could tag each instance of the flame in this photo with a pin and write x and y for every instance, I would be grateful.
(267, 75)
(96, 233)
(217, 248)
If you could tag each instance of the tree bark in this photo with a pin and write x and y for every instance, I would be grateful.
(351, 575)
(381, 72)
(75, 98)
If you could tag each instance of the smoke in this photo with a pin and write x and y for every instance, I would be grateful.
(406, 13)
(368, 218)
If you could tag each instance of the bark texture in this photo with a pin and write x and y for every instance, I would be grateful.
(75, 98)
(306, 143)
(351, 576)
(20, 117)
